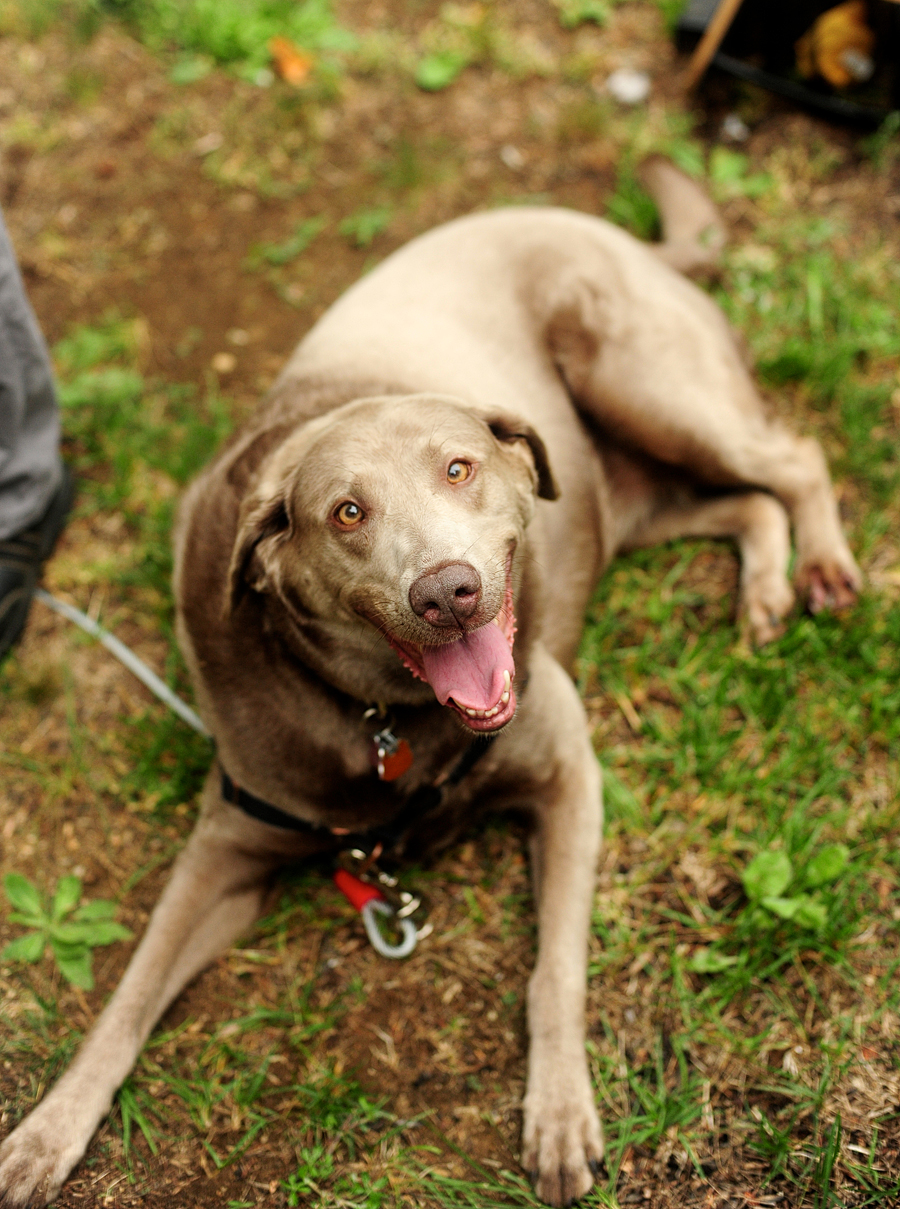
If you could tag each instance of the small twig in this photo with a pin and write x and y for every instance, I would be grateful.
(710, 42)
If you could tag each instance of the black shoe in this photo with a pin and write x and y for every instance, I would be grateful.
(21, 559)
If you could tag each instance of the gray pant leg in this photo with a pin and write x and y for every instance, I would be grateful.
(30, 467)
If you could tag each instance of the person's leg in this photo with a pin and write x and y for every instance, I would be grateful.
(35, 491)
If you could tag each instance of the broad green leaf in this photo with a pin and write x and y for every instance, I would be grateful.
(827, 865)
(767, 876)
(812, 914)
(440, 69)
(708, 961)
(25, 948)
(28, 921)
(90, 933)
(104, 932)
(802, 909)
(99, 908)
(71, 933)
(67, 948)
(784, 908)
(68, 892)
(23, 895)
(77, 970)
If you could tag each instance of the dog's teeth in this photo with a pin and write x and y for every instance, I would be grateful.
(473, 713)
(506, 688)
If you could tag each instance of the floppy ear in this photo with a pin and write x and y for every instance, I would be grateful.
(266, 469)
(507, 429)
(263, 525)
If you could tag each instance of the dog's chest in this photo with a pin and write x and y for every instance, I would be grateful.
(364, 772)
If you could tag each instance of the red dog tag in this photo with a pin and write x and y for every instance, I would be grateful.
(391, 756)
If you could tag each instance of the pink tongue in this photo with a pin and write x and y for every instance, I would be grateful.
(471, 669)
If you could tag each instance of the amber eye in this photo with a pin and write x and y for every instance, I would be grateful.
(348, 514)
(458, 472)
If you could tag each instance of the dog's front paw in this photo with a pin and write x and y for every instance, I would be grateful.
(562, 1143)
(34, 1163)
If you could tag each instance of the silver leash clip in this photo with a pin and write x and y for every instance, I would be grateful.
(409, 932)
(384, 910)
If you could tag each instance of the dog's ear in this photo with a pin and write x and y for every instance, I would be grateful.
(507, 429)
(265, 519)
(263, 525)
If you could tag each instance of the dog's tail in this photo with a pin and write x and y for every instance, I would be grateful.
(692, 229)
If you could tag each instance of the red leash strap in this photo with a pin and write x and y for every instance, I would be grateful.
(370, 902)
(356, 892)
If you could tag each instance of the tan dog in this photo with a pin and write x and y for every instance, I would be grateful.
(417, 517)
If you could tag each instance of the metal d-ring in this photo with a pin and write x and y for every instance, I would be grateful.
(376, 936)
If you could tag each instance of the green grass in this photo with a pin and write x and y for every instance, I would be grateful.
(283, 253)
(755, 758)
(134, 443)
(234, 31)
(769, 776)
(362, 227)
(776, 740)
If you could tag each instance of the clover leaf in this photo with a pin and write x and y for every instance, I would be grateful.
(767, 876)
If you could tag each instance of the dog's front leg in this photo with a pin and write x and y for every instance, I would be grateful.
(217, 889)
(563, 1140)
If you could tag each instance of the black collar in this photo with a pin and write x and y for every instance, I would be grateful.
(423, 801)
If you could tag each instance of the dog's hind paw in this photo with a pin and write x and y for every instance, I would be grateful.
(563, 1146)
(830, 584)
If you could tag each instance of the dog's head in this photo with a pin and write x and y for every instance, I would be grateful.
(402, 514)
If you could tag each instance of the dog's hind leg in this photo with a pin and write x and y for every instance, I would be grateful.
(759, 525)
(692, 228)
(217, 889)
(652, 361)
(562, 1138)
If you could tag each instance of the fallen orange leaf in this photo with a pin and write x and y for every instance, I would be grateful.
(291, 63)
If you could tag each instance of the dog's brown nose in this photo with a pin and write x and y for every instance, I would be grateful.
(448, 596)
